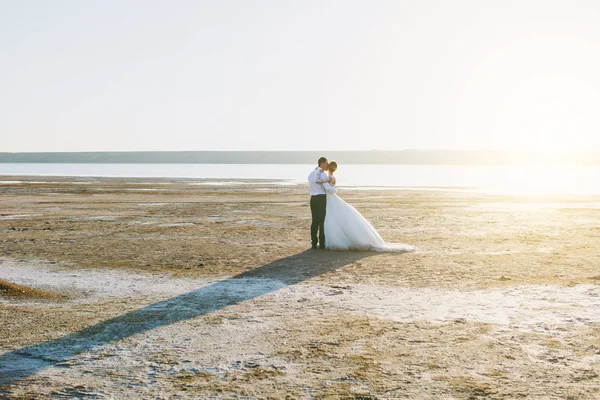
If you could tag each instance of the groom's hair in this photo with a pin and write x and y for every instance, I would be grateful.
(322, 160)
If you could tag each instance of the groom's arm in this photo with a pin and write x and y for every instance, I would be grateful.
(322, 177)
(328, 187)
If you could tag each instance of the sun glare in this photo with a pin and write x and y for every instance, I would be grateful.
(533, 94)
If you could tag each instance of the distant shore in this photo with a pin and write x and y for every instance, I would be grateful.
(378, 157)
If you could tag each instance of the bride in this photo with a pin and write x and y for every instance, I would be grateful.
(347, 229)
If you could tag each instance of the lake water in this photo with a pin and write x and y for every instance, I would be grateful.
(502, 179)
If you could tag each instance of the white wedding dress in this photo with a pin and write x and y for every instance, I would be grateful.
(347, 229)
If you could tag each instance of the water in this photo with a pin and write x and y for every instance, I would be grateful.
(518, 179)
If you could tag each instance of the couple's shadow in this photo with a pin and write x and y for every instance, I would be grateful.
(29, 360)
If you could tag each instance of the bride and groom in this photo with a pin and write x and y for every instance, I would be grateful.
(336, 225)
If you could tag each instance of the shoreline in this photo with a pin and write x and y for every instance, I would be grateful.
(262, 184)
(525, 180)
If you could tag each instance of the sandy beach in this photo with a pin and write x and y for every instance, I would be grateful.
(164, 288)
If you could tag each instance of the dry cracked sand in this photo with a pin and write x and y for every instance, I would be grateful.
(182, 289)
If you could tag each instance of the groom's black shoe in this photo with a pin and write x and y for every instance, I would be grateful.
(314, 247)
(321, 247)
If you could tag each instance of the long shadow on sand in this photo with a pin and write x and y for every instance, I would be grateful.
(30, 360)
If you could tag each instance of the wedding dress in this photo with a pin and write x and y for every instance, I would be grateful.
(347, 229)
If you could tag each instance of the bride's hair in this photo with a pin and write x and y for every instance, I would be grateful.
(332, 166)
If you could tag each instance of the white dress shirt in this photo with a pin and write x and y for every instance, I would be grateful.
(318, 175)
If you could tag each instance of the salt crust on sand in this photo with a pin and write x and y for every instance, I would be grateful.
(524, 306)
(237, 342)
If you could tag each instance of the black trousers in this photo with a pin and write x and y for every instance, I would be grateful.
(318, 205)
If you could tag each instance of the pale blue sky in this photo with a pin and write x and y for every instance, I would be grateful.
(298, 75)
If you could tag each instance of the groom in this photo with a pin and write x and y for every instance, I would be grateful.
(318, 201)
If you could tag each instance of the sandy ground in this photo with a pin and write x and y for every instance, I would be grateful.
(183, 289)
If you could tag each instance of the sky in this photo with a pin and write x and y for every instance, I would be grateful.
(129, 75)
